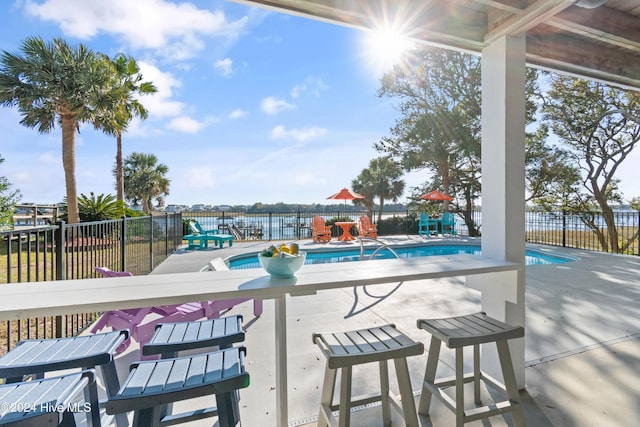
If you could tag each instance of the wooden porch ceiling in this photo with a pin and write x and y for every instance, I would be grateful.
(578, 37)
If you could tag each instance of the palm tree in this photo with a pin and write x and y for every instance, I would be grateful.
(145, 180)
(382, 179)
(127, 84)
(54, 83)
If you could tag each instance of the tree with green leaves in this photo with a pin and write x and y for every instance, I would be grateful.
(8, 200)
(145, 180)
(126, 87)
(100, 208)
(57, 84)
(381, 179)
(440, 127)
(598, 126)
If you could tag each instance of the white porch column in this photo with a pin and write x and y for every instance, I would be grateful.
(503, 188)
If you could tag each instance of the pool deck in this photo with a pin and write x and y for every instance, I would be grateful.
(582, 338)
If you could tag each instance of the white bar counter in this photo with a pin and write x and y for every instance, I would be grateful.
(37, 299)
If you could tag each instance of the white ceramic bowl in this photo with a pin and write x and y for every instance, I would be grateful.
(282, 267)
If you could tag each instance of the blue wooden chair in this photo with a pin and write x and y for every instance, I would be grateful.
(427, 225)
(152, 385)
(38, 402)
(196, 228)
(448, 223)
(40, 356)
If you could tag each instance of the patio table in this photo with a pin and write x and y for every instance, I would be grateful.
(36, 299)
(346, 230)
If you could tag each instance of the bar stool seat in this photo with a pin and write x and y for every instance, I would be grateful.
(49, 401)
(171, 338)
(153, 384)
(457, 333)
(343, 350)
(37, 357)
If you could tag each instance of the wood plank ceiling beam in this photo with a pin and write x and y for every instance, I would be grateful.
(601, 43)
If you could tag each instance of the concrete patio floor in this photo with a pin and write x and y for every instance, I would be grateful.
(582, 340)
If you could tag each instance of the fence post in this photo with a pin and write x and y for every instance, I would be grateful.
(270, 218)
(60, 268)
(123, 243)
(564, 228)
(166, 234)
(406, 222)
(150, 243)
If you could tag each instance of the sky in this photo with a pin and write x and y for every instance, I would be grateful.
(253, 106)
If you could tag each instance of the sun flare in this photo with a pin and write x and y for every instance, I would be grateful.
(384, 48)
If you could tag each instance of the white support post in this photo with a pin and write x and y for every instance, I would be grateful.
(503, 187)
(282, 400)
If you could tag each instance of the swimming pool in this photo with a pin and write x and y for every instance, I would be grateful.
(532, 257)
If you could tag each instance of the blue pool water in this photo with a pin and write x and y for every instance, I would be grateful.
(531, 257)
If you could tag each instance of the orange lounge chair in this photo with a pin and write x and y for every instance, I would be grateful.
(320, 232)
(366, 229)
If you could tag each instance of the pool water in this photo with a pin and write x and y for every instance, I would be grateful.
(320, 257)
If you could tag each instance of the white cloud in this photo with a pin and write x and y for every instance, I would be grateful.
(316, 85)
(297, 90)
(160, 104)
(224, 66)
(272, 105)
(186, 124)
(302, 135)
(238, 114)
(174, 30)
(313, 85)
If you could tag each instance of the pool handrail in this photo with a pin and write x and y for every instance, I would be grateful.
(382, 247)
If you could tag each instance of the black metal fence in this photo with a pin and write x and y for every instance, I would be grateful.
(140, 244)
(71, 251)
(579, 230)
(293, 225)
(549, 228)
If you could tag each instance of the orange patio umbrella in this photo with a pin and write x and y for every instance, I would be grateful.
(346, 194)
(436, 195)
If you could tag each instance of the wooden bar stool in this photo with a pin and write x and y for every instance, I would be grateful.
(459, 332)
(343, 350)
(37, 357)
(171, 338)
(50, 401)
(153, 384)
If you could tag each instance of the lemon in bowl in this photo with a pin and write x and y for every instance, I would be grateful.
(282, 265)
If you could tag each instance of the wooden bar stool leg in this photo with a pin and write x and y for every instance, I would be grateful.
(429, 375)
(112, 385)
(326, 400)
(459, 387)
(148, 417)
(384, 393)
(227, 411)
(92, 396)
(406, 393)
(476, 373)
(345, 397)
(510, 382)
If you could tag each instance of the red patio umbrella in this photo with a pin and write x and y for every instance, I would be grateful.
(436, 195)
(346, 194)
